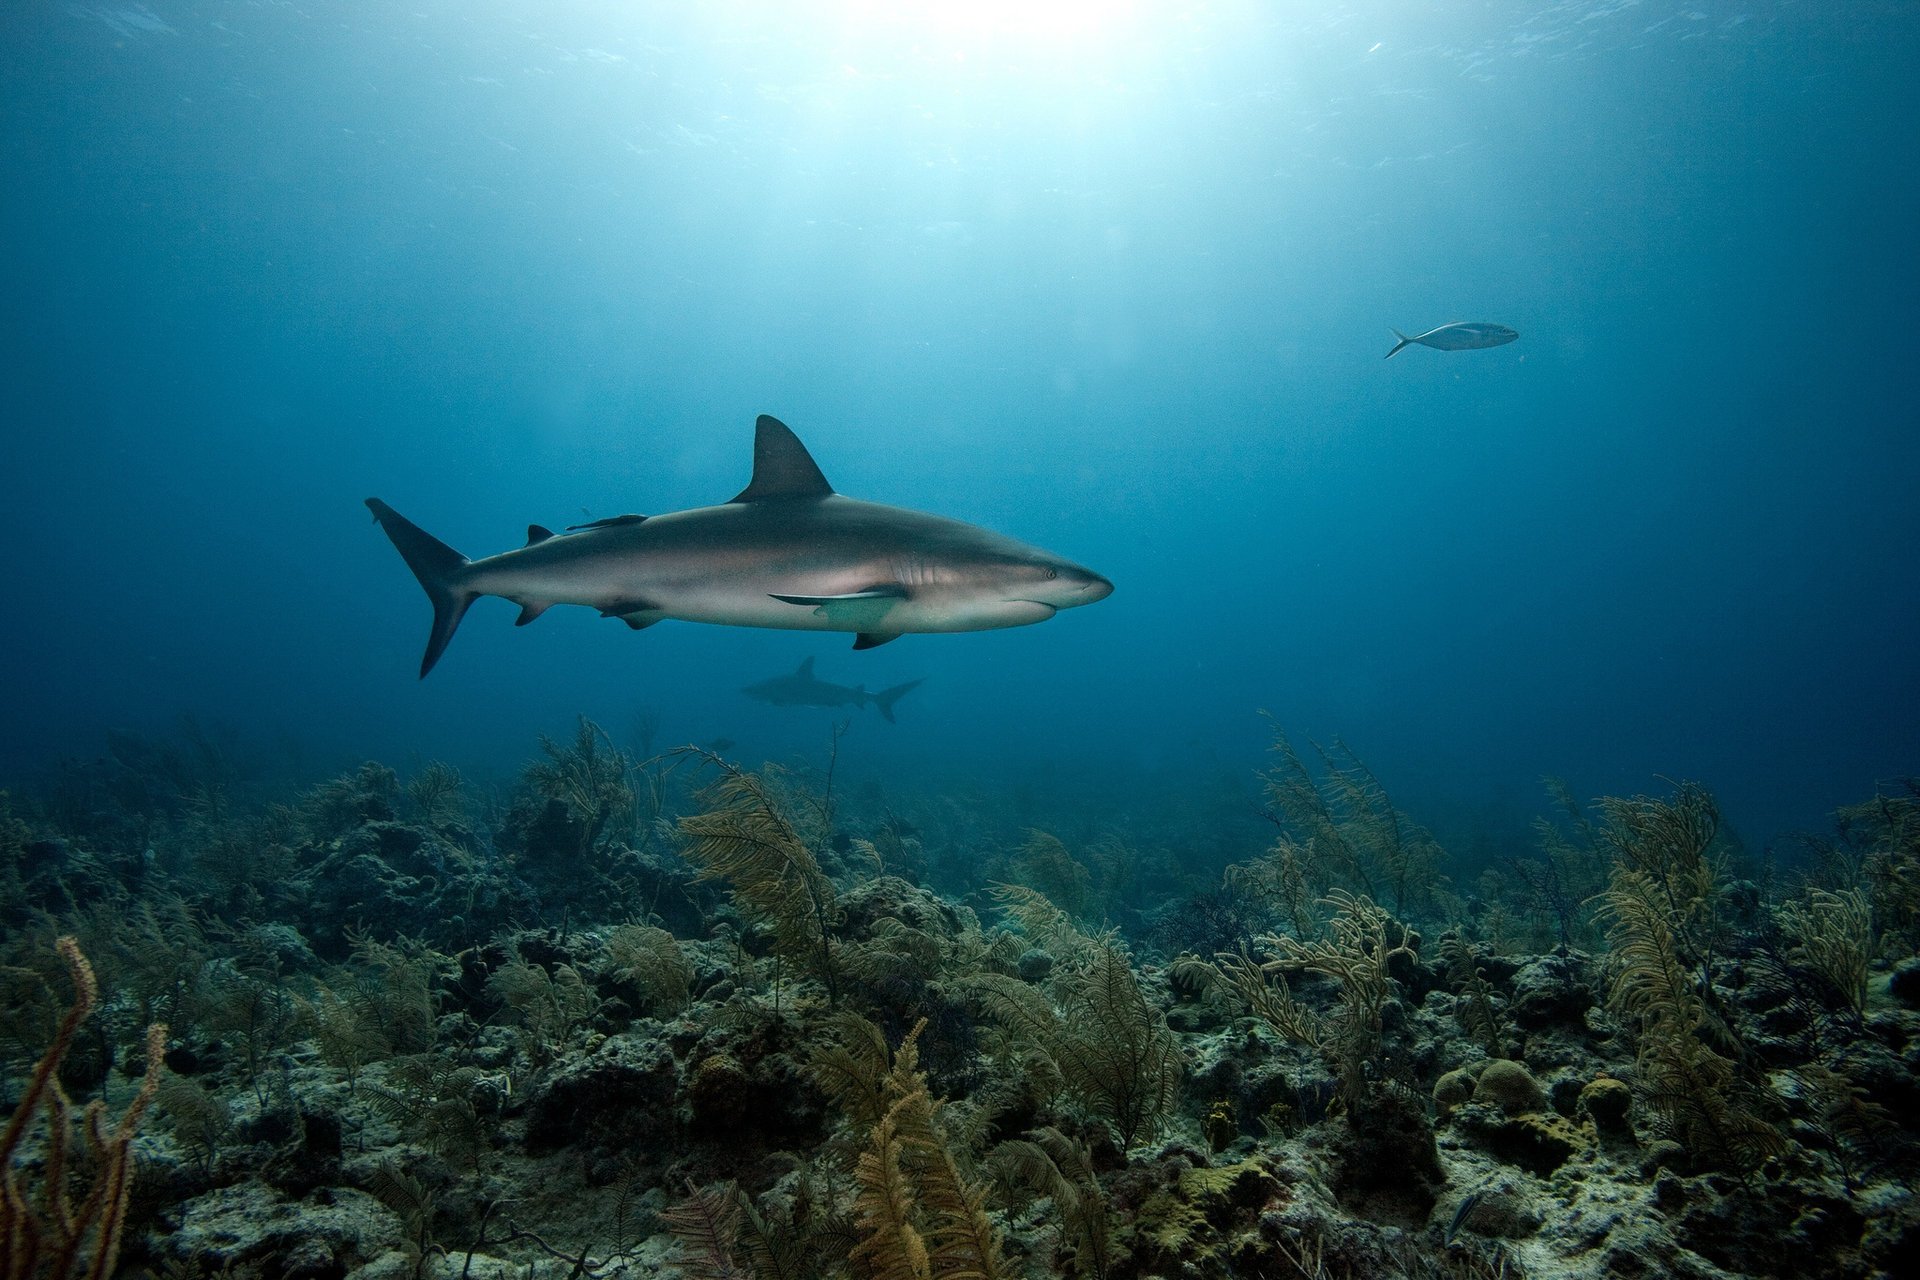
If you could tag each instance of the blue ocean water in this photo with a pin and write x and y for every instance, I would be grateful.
(1114, 279)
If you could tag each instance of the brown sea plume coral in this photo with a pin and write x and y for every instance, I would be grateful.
(1660, 908)
(44, 1230)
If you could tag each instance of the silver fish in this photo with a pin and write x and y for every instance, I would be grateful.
(1461, 335)
(786, 552)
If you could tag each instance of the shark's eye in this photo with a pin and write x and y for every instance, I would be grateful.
(1048, 573)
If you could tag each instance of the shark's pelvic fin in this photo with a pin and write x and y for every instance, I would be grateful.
(621, 608)
(438, 568)
(873, 640)
(782, 467)
(531, 609)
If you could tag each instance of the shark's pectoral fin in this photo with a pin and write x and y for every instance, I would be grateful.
(873, 640)
(531, 609)
(855, 611)
(610, 522)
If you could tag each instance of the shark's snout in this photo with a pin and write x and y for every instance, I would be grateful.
(1094, 587)
(1068, 585)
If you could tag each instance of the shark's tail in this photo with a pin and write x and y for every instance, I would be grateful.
(1404, 340)
(887, 697)
(438, 567)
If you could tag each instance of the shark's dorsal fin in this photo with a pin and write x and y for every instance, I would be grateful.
(782, 467)
(805, 669)
(538, 533)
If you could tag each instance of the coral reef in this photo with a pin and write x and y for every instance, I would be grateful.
(678, 1017)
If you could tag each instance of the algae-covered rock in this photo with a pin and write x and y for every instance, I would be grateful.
(1511, 1087)
(1551, 990)
(1904, 983)
(622, 1097)
(1386, 1164)
(1191, 1224)
(326, 1235)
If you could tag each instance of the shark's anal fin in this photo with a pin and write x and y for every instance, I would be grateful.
(855, 611)
(873, 640)
(639, 621)
(531, 609)
(782, 467)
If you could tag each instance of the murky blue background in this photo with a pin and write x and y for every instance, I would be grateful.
(1117, 285)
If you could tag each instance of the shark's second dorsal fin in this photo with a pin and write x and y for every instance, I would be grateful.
(805, 671)
(537, 533)
(782, 467)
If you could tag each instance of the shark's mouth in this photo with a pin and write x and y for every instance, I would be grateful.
(1050, 608)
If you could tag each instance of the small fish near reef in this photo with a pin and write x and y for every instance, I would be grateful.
(801, 688)
(1462, 335)
(786, 552)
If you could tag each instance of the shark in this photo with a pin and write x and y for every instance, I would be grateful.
(801, 688)
(785, 552)
(1461, 335)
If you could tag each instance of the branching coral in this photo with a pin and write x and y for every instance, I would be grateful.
(1342, 831)
(707, 1227)
(1656, 899)
(921, 1218)
(589, 777)
(44, 1230)
(745, 839)
(1475, 1010)
(651, 959)
(551, 1008)
(1833, 936)
(1060, 1168)
(1112, 1049)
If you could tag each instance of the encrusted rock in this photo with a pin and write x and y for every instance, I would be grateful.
(1387, 1164)
(622, 1096)
(1550, 990)
(1536, 1142)
(324, 1235)
(1904, 984)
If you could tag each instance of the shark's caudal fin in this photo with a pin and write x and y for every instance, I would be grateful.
(1404, 340)
(887, 697)
(438, 567)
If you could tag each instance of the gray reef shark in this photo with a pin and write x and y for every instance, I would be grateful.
(1461, 335)
(801, 688)
(786, 552)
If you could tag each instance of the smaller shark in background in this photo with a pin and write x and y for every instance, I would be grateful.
(1462, 335)
(803, 689)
